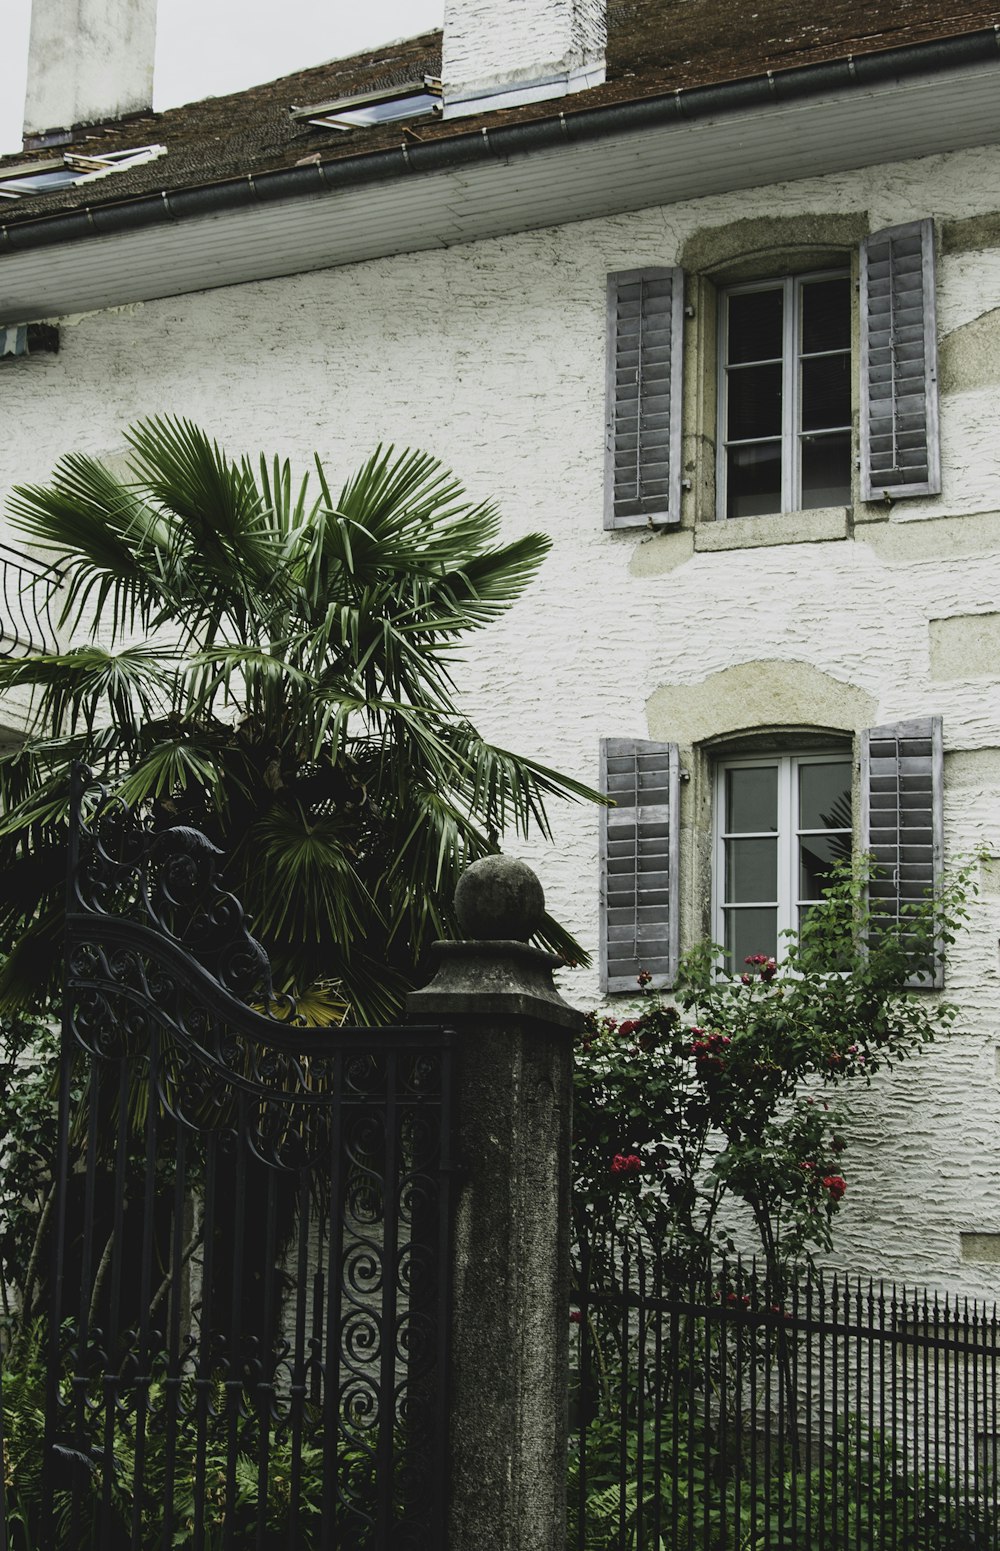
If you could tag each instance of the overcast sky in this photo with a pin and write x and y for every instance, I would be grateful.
(208, 47)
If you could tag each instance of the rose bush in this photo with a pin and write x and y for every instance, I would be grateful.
(732, 1092)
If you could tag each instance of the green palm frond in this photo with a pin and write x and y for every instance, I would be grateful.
(112, 546)
(171, 767)
(321, 1005)
(485, 587)
(291, 692)
(411, 503)
(508, 790)
(41, 809)
(79, 688)
(305, 885)
(287, 503)
(216, 499)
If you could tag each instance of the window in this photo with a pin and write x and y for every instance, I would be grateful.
(781, 390)
(784, 434)
(781, 823)
(408, 100)
(70, 169)
(780, 820)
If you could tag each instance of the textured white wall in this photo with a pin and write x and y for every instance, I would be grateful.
(88, 59)
(491, 356)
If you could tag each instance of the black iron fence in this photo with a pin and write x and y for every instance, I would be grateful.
(27, 587)
(238, 1331)
(839, 1415)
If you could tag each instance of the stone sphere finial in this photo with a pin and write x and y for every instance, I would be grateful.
(499, 899)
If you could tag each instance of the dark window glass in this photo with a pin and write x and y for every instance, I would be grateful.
(755, 326)
(751, 871)
(750, 931)
(825, 795)
(826, 392)
(782, 386)
(752, 800)
(754, 480)
(817, 855)
(826, 315)
(754, 403)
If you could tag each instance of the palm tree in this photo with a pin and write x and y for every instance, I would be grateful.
(275, 667)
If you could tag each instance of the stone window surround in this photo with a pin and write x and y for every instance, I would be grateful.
(701, 764)
(787, 760)
(760, 249)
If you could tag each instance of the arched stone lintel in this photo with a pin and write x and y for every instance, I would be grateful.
(767, 692)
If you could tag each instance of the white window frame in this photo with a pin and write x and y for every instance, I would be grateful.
(791, 434)
(788, 899)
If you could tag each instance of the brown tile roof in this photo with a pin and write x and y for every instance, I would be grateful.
(654, 46)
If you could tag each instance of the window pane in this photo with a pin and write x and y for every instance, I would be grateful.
(753, 480)
(751, 871)
(817, 854)
(748, 932)
(826, 314)
(826, 392)
(752, 800)
(755, 323)
(754, 405)
(825, 795)
(826, 470)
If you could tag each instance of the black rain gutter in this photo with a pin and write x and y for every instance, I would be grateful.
(852, 73)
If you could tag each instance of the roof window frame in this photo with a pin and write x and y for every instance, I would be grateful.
(80, 167)
(414, 97)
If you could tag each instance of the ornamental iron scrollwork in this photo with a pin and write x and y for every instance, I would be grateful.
(168, 881)
(247, 1310)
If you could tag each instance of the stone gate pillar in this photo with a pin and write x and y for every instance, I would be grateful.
(510, 1254)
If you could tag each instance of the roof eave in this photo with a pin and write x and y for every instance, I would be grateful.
(479, 150)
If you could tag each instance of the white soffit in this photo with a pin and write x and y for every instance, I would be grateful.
(485, 199)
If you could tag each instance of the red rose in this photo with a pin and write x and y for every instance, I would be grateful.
(626, 1163)
(835, 1185)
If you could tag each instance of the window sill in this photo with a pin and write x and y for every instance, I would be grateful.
(819, 526)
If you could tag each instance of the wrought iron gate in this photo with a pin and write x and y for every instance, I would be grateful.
(248, 1301)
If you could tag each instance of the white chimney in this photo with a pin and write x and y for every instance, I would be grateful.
(500, 53)
(88, 60)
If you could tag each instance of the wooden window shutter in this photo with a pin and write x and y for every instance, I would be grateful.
(639, 863)
(900, 449)
(644, 392)
(902, 822)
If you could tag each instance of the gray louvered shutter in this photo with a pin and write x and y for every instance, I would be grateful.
(900, 450)
(639, 862)
(901, 822)
(644, 390)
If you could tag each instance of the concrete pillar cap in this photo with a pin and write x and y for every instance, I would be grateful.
(499, 899)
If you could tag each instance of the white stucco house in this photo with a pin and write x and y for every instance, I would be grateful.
(710, 296)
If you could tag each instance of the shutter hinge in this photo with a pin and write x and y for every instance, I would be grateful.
(689, 311)
(684, 775)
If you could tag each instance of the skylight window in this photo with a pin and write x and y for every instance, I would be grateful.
(72, 168)
(399, 102)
